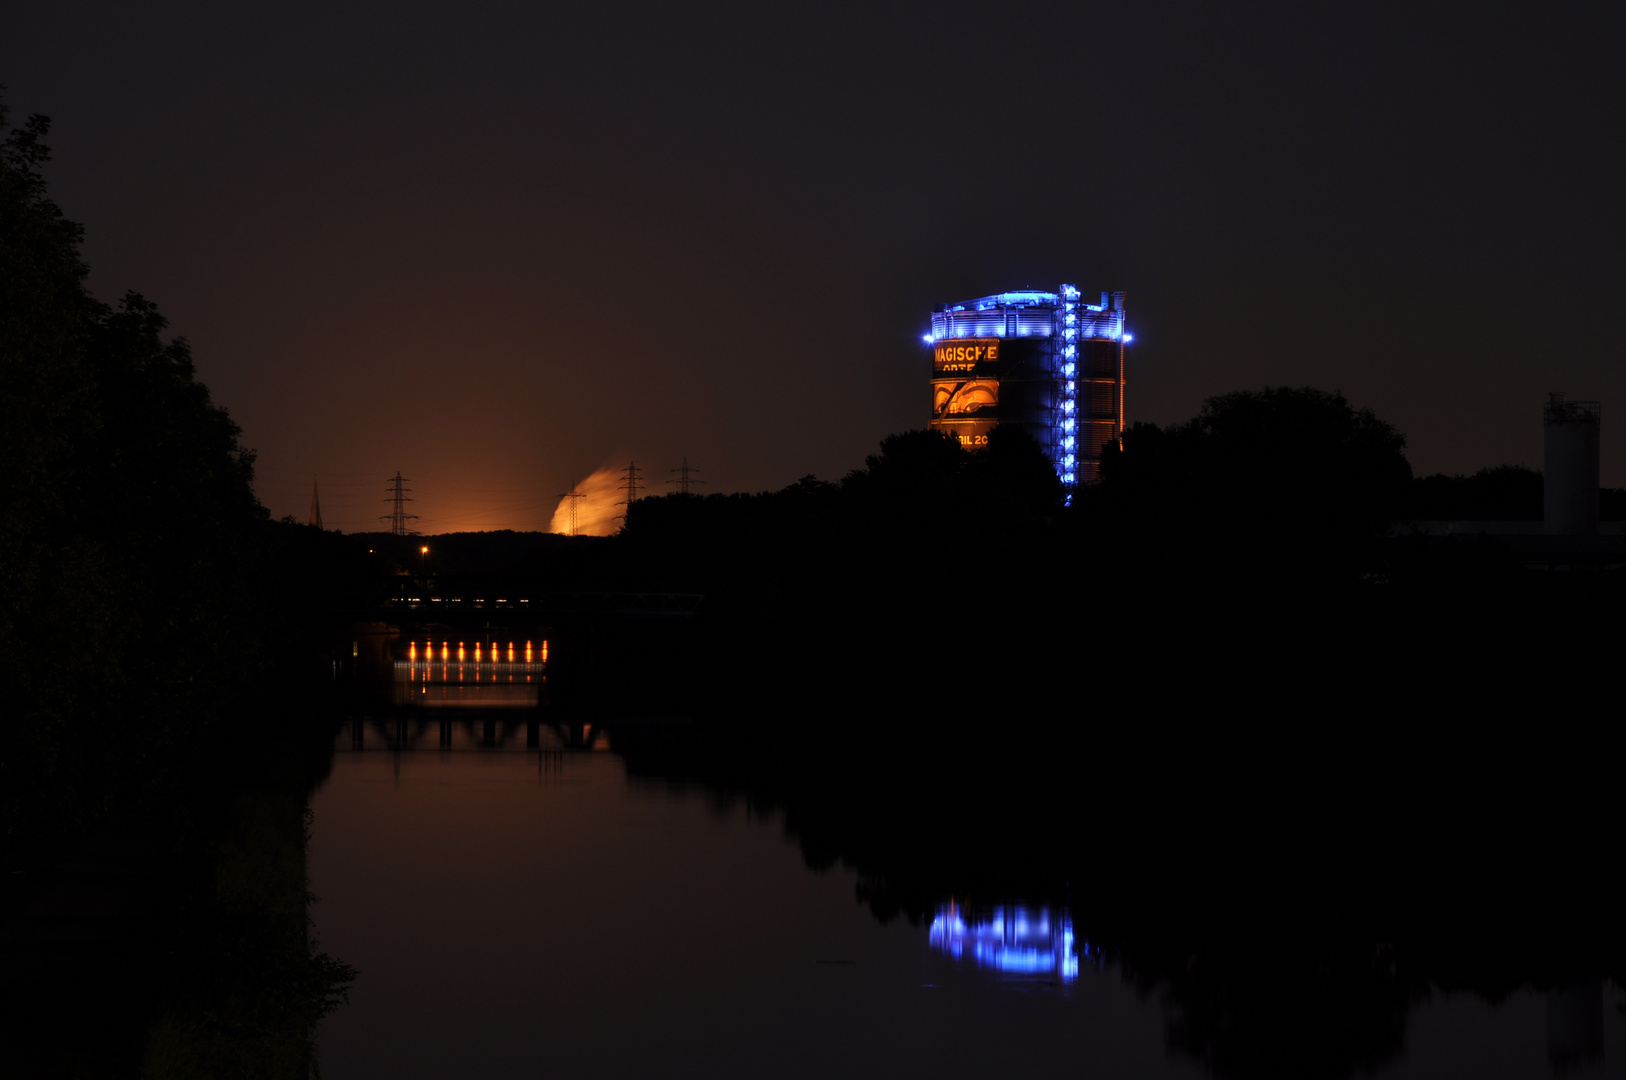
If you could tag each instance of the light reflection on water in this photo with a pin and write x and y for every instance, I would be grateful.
(1016, 941)
(454, 683)
(752, 965)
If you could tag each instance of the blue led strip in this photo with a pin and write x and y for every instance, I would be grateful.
(1064, 436)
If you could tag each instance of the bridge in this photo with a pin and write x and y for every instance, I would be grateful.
(487, 730)
(487, 598)
(478, 643)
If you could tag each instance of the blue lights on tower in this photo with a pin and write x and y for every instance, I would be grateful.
(1067, 404)
(1058, 373)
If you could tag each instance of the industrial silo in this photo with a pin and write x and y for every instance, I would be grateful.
(1570, 466)
(1047, 361)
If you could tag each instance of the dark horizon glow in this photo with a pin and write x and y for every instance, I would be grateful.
(499, 247)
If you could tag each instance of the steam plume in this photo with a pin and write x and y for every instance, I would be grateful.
(595, 514)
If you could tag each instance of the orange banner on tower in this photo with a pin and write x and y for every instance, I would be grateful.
(964, 354)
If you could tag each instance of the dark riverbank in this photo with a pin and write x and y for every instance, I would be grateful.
(171, 938)
(158, 639)
(1293, 823)
(1263, 799)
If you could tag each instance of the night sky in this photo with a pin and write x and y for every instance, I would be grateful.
(499, 246)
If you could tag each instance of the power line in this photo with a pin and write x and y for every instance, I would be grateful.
(630, 485)
(573, 495)
(685, 481)
(398, 517)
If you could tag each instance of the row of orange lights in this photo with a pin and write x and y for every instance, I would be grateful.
(496, 651)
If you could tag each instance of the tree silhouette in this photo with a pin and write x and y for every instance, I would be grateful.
(128, 525)
(1297, 460)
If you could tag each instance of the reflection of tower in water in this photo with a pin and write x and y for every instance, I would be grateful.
(1015, 941)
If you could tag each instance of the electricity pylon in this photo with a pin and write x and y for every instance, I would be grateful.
(630, 486)
(573, 495)
(685, 481)
(398, 517)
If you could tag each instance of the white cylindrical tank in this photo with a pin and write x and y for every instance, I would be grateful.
(1570, 467)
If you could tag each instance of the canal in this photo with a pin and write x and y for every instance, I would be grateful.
(517, 903)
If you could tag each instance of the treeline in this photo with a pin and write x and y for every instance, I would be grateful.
(1291, 489)
(1252, 538)
(567, 561)
(143, 591)
(150, 613)
(1212, 667)
(1286, 770)
(912, 514)
(1498, 493)
(127, 524)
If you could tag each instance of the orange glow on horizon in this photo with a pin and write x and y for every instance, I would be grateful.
(598, 506)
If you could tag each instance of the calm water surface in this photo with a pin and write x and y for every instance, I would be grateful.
(523, 911)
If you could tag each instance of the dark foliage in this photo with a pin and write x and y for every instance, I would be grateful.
(921, 485)
(1291, 462)
(129, 531)
(1502, 493)
(145, 603)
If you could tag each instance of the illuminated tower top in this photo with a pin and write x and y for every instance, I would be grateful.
(1044, 360)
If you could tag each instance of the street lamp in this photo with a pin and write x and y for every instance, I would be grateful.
(423, 564)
